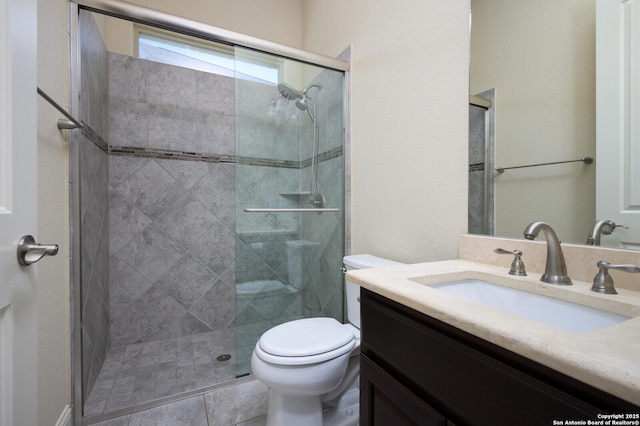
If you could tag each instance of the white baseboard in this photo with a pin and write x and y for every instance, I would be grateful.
(65, 417)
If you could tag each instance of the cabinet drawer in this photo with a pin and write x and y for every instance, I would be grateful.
(464, 382)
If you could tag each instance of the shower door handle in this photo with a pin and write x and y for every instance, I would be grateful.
(252, 210)
(30, 252)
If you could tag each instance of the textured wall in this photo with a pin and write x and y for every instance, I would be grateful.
(321, 266)
(53, 217)
(275, 20)
(172, 221)
(190, 150)
(409, 115)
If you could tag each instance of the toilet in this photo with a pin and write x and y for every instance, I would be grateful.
(312, 365)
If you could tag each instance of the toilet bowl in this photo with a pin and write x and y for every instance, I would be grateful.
(312, 365)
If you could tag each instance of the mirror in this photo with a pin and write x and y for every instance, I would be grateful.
(540, 59)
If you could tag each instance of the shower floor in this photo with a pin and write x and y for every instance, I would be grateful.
(142, 372)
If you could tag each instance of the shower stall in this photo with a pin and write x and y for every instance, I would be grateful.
(208, 201)
(481, 163)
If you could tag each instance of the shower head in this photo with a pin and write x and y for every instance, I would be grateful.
(289, 92)
(301, 104)
(301, 98)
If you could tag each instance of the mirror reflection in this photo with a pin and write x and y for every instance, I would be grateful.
(537, 60)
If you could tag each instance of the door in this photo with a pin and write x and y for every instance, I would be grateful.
(618, 119)
(287, 260)
(385, 401)
(18, 362)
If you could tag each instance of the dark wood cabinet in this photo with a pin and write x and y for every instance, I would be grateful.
(390, 403)
(416, 370)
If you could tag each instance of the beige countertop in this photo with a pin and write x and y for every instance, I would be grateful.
(608, 359)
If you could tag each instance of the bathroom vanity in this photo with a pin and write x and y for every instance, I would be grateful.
(418, 370)
(428, 357)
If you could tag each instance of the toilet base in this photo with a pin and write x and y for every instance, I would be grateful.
(346, 412)
(293, 410)
(285, 410)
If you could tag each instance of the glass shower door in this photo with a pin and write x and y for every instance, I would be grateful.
(289, 156)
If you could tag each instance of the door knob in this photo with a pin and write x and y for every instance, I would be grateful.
(30, 252)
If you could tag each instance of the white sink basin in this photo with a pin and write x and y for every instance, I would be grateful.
(558, 313)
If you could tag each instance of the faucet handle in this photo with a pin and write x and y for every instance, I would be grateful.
(603, 283)
(610, 226)
(517, 266)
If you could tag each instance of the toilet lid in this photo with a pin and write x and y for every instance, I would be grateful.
(305, 337)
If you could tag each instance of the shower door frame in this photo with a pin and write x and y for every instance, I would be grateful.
(153, 18)
(166, 21)
(486, 102)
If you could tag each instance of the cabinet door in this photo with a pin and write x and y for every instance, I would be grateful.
(384, 401)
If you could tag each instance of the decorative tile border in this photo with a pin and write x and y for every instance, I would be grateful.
(95, 138)
(477, 167)
(323, 156)
(164, 154)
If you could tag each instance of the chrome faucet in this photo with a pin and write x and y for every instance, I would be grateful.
(601, 227)
(555, 271)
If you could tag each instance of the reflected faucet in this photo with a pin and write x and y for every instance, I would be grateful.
(601, 227)
(555, 271)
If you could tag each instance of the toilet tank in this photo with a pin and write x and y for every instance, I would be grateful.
(352, 293)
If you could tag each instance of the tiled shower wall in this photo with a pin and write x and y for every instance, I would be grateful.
(172, 220)
(271, 134)
(177, 252)
(94, 199)
(278, 253)
(481, 165)
(323, 295)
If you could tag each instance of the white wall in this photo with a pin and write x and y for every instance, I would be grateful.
(54, 368)
(409, 133)
(540, 57)
(409, 114)
(275, 20)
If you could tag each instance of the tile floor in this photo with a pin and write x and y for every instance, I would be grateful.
(139, 373)
(243, 404)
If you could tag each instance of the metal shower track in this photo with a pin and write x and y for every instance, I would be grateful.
(155, 18)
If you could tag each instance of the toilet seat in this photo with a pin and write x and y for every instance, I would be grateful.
(305, 341)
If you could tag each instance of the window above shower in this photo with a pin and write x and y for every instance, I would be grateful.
(216, 58)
